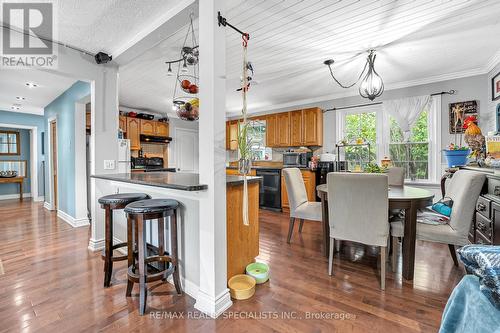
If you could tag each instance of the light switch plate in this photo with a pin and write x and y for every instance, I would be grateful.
(109, 164)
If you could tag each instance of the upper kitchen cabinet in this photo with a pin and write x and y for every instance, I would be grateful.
(147, 127)
(122, 123)
(271, 131)
(312, 127)
(296, 128)
(161, 129)
(283, 129)
(134, 132)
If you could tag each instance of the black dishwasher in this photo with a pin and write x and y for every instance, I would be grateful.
(270, 189)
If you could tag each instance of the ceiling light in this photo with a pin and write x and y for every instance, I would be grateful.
(371, 85)
(16, 106)
(31, 84)
(20, 98)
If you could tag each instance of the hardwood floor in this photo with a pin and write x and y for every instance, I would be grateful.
(52, 283)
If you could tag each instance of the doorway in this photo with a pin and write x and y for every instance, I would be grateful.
(53, 160)
(186, 141)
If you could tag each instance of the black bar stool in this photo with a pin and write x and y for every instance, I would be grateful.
(138, 213)
(110, 203)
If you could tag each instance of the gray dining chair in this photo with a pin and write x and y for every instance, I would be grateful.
(464, 189)
(300, 207)
(361, 204)
(396, 176)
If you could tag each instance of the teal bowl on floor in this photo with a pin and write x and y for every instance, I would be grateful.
(259, 271)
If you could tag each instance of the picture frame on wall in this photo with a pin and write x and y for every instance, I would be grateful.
(495, 87)
(458, 112)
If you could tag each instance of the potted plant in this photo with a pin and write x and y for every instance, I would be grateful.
(456, 155)
(244, 147)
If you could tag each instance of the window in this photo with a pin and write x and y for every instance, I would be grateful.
(9, 143)
(257, 135)
(412, 155)
(420, 155)
(360, 126)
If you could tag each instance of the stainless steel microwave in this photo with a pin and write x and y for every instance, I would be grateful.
(296, 159)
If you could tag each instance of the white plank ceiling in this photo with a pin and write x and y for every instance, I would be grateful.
(416, 41)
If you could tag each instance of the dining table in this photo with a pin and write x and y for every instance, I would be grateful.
(407, 198)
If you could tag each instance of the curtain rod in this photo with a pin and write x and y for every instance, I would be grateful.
(451, 92)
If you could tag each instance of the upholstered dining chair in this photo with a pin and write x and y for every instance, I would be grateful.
(300, 207)
(396, 176)
(464, 189)
(360, 203)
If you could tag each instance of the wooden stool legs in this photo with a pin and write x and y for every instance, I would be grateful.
(140, 274)
(173, 255)
(141, 244)
(130, 253)
(108, 250)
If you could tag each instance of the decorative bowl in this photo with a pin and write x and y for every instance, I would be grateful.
(259, 271)
(241, 286)
(8, 174)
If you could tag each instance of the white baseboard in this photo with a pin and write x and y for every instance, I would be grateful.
(82, 222)
(48, 206)
(39, 198)
(211, 306)
(96, 245)
(14, 196)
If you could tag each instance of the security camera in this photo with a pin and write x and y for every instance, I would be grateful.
(102, 58)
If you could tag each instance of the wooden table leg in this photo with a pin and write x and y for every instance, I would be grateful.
(410, 233)
(326, 225)
(21, 191)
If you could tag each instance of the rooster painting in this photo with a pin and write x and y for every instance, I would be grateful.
(473, 137)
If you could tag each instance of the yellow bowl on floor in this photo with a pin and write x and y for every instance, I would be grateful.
(241, 286)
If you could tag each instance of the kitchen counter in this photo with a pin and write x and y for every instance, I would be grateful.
(236, 180)
(171, 180)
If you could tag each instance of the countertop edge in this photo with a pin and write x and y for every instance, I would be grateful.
(189, 188)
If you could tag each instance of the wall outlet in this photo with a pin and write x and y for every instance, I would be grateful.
(109, 164)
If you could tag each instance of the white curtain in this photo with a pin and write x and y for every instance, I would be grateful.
(406, 111)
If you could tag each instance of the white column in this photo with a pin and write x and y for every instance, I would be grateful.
(213, 296)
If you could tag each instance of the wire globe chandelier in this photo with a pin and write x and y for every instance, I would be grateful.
(371, 86)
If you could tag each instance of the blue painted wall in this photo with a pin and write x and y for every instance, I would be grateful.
(24, 154)
(17, 118)
(63, 109)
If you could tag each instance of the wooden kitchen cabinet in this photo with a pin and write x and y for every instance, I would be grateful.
(88, 120)
(310, 184)
(296, 128)
(232, 135)
(161, 129)
(147, 127)
(312, 127)
(122, 123)
(134, 132)
(283, 129)
(236, 172)
(271, 130)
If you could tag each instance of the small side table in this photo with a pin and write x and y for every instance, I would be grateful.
(18, 180)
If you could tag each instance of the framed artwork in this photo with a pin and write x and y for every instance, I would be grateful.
(458, 112)
(495, 87)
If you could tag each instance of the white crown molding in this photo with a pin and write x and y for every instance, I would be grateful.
(493, 62)
(14, 196)
(35, 111)
(75, 223)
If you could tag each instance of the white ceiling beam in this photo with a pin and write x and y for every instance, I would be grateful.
(159, 30)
